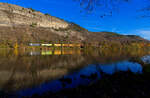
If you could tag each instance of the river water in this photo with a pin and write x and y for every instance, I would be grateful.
(25, 73)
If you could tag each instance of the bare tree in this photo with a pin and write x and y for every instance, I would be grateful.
(145, 10)
(108, 5)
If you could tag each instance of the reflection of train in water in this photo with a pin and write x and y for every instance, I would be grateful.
(55, 45)
(55, 52)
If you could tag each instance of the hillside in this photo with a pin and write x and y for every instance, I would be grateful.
(25, 25)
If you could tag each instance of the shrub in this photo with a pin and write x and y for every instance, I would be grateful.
(47, 14)
(32, 9)
(33, 25)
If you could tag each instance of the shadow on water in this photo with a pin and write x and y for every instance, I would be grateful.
(36, 72)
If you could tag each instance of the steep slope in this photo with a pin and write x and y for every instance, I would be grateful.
(13, 15)
(25, 25)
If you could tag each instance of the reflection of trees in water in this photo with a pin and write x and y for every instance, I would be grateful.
(33, 70)
(10, 80)
(27, 70)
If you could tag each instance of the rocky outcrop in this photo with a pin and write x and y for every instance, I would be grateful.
(13, 15)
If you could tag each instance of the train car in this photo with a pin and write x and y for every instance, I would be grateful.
(34, 44)
(47, 45)
(65, 45)
(57, 45)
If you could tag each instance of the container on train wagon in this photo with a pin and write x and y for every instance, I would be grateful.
(34, 44)
(47, 45)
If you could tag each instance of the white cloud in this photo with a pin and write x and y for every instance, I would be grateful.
(93, 28)
(144, 33)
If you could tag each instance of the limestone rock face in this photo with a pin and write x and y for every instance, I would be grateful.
(13, 15)
(25, 25)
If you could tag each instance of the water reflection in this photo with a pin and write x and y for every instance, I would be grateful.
(55, 52)
(53, 70)
(86, 75)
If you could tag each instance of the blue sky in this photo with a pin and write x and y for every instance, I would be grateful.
(125, 21)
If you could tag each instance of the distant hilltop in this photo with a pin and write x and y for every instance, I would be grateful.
(26, 25)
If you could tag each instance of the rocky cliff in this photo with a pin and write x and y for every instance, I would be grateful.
(13, 15)
(25, 25)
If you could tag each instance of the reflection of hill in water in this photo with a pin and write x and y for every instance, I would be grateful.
(23, 70)
(91, 73)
